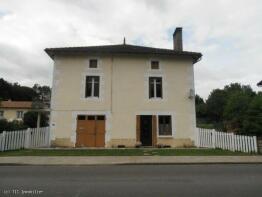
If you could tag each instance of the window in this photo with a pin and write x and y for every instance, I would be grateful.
(100, 117)
(81, 117)
(155, 65)
(155, 87)
(19, 114)
(1, 114)
(93, 63)
(92, 86)
(91, 118)
(165, 125)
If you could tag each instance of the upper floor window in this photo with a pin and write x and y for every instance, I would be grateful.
(154, 65)
(19, 114)
(155, 87)
(165, 125)
(92, 86)
(1, 114)
(93, 63)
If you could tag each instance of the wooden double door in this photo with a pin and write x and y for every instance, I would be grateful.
(90, 131)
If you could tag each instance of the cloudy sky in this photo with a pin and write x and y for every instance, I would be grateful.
(227, 32)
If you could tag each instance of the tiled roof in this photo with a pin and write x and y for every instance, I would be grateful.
(121, 49)
(16, 104)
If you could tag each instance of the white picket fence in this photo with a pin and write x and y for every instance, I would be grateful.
(29, 138)
(228, 141)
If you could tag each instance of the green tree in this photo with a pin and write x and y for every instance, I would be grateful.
(15, 92)
(225, 108)
(215, 105)
(253, 119)
(235, 111)
(30, 119)
(200, 109)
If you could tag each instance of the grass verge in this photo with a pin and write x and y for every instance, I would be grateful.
(121, 152)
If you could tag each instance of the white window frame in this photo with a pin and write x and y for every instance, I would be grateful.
(18, 113)
(99, 63)
(93, 87)
(159, 70)
(162, 113)
(172, 129)
(155, 83)
(151, 65)
(96, 62)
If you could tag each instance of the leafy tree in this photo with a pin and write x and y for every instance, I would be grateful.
(215, 105)
(236, 87)
(3, 125)
(200, 108)
(253, 118)
(5, 88)
(43, 93)
(235, 110)
(30, 119)
(43, 96)
(15, 92)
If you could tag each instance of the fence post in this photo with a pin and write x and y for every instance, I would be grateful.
(27, 138)
(213, 132)
(255, 143)
(47, 136)
(233, 142)
(196, 137)
(3, 141)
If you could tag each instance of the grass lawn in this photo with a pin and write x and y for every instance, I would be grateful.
(121, 152)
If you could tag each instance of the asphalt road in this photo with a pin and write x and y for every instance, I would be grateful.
(133, 180)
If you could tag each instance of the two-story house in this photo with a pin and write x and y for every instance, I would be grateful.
(14, 110)
(107, 96)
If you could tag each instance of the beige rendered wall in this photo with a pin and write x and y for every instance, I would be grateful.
(10, 114)
(124, 94)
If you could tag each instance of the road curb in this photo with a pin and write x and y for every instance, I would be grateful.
(129, 160)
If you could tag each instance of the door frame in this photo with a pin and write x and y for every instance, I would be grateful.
(107, 115)
(96, 132)
(153, 128)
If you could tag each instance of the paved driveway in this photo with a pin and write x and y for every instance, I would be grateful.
(132, 180)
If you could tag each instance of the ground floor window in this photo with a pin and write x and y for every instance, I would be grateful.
(19, 114)
(164, 125)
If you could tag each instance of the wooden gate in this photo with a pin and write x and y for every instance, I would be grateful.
(90, 131)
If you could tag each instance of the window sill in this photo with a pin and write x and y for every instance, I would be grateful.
(165, 136)
(156, 99)
(93, 98)
(94, 69)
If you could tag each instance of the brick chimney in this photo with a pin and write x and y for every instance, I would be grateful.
(177, 39)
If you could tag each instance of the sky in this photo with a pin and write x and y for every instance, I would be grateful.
(227, 32)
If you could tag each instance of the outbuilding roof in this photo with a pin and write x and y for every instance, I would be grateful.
(16, 104)
(121, 49)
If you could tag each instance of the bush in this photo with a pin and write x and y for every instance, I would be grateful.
(11, 126)
(30, 119)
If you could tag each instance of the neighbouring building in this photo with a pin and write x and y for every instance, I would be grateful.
(14, 110)
(259, 84)
(123, 95)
